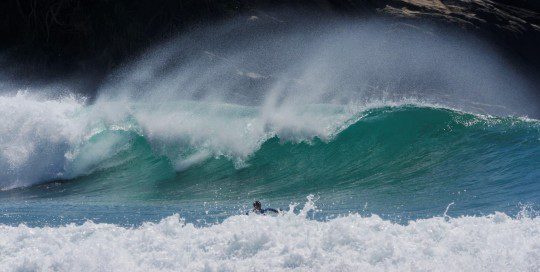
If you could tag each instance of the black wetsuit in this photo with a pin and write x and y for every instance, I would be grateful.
(264, 211)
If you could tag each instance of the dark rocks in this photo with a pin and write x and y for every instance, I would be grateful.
(514, 26)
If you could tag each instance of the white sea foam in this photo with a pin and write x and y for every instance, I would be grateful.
(35, 130)
(43, 139)
(289, 242)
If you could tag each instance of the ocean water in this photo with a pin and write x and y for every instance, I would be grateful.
(385, 148)
(385, 186)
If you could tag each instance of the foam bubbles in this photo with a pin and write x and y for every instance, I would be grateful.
(289, 242)
(45, 139)
(33, 130)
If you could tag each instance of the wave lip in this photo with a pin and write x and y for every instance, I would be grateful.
(44, 140)
(289, 242)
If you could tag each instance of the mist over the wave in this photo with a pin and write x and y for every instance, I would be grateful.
(224, 90)
(279, 65)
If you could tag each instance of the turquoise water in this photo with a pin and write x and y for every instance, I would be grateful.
(387, 150)
(399, 162)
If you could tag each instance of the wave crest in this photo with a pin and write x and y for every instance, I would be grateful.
(45, 140)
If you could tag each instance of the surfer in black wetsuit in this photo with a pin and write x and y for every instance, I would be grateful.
(257, 208)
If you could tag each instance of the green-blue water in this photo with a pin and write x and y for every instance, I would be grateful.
(402, 162)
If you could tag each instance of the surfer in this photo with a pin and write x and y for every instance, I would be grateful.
(257, 208)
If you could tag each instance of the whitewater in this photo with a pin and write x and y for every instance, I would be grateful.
(416, 154)
(288, 242)
(307, 239)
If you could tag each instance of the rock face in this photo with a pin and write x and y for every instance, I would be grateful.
(472, 13)
(84, 35)
(514, 25)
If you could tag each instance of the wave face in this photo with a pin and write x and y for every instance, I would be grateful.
(412, 158)
(289, 242)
